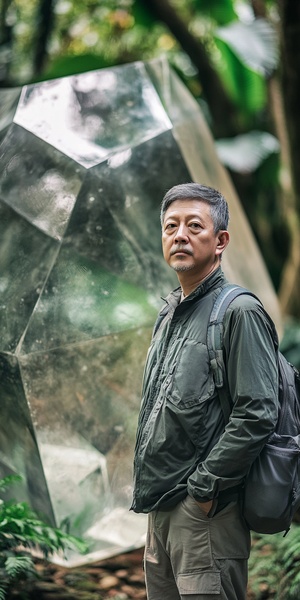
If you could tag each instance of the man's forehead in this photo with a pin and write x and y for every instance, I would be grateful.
(188, 206)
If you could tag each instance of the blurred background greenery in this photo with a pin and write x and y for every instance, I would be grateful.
(240, 59)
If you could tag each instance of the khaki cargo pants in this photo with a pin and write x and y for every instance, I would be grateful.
(190, 556)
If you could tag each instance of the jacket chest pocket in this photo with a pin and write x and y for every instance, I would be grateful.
(189, 380)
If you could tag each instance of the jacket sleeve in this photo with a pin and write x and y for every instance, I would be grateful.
(252, 374)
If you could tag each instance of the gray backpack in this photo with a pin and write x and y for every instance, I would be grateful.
(271, 491)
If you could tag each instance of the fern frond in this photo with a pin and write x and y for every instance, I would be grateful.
(275, 562)
(16, 566)
(292, 552)
(21, 526)
(3, 590)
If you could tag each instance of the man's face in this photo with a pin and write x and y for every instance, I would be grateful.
(188, 238)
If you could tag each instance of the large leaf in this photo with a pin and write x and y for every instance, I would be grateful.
(245, 153)
(246, 87)
(255, 43)
(69, 65)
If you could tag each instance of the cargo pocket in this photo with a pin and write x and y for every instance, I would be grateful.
(196, 583)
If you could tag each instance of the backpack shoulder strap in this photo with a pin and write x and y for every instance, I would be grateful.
(215, 342)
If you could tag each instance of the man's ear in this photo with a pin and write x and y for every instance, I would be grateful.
(222, 241)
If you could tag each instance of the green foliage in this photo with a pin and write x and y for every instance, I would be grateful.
(245, 86)
(67, 65)
(18, 565)
(21, 530)
(274, 566)
(6, 482)
(256, 44)
(221, 11)
(245, 153)
(3, 590)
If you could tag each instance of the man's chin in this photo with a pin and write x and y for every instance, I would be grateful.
(182, 268)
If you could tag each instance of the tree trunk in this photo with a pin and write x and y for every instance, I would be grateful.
(45, 19)
(290, 76)
(288, 289)
(6, 38)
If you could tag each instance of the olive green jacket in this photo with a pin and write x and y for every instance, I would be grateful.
(182, 444)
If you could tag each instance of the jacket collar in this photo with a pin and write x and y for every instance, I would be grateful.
(214, 280)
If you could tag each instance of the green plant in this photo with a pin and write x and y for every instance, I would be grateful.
(21, 530)
(274, 566)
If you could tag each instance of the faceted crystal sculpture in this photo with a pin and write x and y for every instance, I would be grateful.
(84, 163)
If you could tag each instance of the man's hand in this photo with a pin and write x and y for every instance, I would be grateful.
(205, 506)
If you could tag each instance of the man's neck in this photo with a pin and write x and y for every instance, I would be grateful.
(189, 284)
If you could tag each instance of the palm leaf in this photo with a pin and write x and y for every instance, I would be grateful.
(245, 153)
(255, 44)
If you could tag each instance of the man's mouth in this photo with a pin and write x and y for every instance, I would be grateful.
(180, 251)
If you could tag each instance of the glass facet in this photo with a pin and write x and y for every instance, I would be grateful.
(90, 116)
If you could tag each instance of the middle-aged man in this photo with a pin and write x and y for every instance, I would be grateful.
(189, 467)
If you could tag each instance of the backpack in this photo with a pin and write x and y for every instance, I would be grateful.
(271, 490)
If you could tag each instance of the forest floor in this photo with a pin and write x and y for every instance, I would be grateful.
(117, 578)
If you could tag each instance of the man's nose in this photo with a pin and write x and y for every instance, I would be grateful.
(182, 233)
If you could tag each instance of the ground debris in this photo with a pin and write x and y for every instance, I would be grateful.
(117, 578)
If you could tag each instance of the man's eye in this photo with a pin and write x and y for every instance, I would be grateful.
(170, 226)
(195, 225)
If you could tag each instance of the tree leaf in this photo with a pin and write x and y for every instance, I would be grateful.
(246, 86)
(245, 153)
(255, 44)
(68, 65)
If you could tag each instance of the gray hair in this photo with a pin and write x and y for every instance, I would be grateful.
(196, 191)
